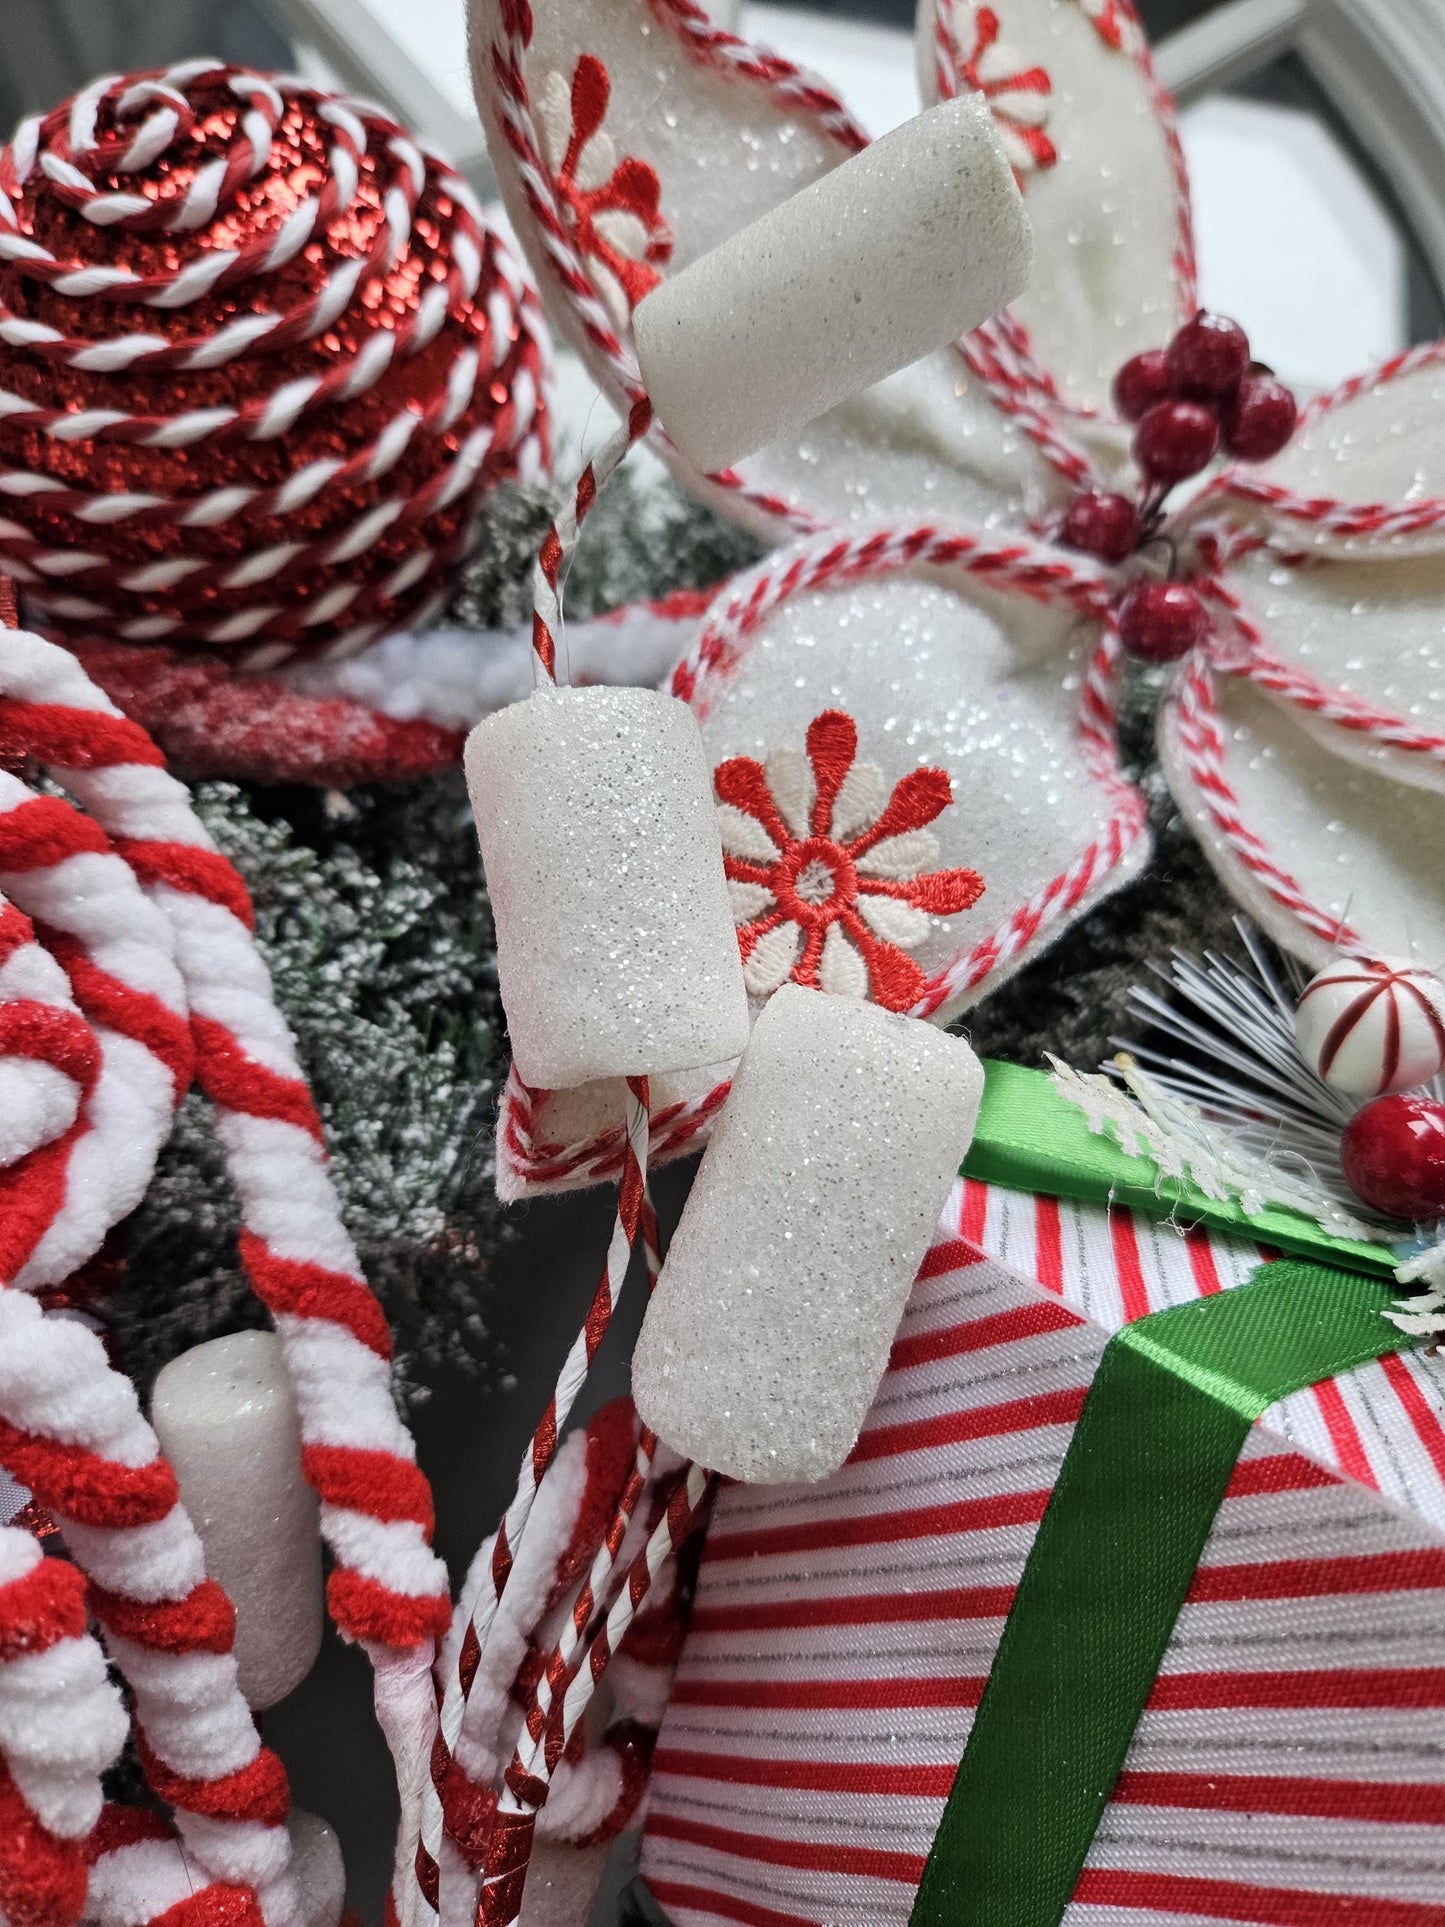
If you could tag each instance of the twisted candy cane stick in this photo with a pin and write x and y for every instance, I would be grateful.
(61, 1726)
(389, 1589)
(527, 1780)
(61, 1722)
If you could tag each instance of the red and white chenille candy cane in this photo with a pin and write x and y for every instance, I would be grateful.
(61, 1720)
(61, 1725)
(388, 1589)
(70, 1425)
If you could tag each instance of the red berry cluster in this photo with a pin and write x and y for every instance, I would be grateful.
(1190, 399)
(1199, 393)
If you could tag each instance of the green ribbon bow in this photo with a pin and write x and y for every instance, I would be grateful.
(1162, 1428)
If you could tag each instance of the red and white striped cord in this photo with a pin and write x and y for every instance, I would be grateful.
(565, 533)
(526, 1785)
(531, 1162)
(477, 1611)
(1202, 741)
(1246, 653)
(1019, 563)
(62, 1725)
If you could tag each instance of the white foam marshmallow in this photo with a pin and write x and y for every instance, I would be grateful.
(891, 256)
(317, 1867)
(225, 1415)
(615, 938)
(817, 1197)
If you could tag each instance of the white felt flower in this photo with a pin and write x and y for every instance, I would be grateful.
(1306, 739)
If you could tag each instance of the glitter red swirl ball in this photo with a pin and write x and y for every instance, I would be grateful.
(260, 361)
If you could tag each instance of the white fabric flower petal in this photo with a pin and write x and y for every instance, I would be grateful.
(596, 165)
(744, 837)
(908, 855)
(749, 900)
(842, 972)
(622, 231)
(1321, 852)
(895, 922)
(1110, 220)
(1365, 470)
(990, 683)
(771, 960)
(554, 118)
(928, 443)
(790, 778)
(1358, 642)
(862, 798)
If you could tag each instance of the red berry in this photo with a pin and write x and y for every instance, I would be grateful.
(1175, 440)
(1260, 419)
(1161, 621)
(1101, 524)
(1394, 1156)
(1208, 358)
(1141, 383)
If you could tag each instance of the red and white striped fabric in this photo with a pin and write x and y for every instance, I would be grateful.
(1287, 1771)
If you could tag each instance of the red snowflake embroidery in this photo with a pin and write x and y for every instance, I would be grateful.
(614, 206)
(829, 872)
(1115, 21)
(1018, 94)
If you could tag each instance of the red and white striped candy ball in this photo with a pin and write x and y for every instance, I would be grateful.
(1368, 1025)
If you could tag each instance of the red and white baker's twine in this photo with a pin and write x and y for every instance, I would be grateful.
(477, 1611)
(527, 1781)
(566, 531)
(1202, 741)
(498, 351)
(151, 925)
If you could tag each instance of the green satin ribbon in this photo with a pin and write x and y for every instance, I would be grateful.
(1162, 1428)
(1030, 1138)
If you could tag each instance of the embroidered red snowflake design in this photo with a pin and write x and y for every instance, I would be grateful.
(614, 206)
(1114, 20)
(828, 872)
(1019, 95)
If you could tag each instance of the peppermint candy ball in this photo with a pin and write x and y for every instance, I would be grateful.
(1367, 1025)
(260, 359)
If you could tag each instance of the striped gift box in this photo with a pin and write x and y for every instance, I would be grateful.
(1289, 1769)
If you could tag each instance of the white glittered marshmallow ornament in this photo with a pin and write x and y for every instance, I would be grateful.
(817, 1196)
(615, 940)
(1367, 1025)
(225, 1414)
(884, 260)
